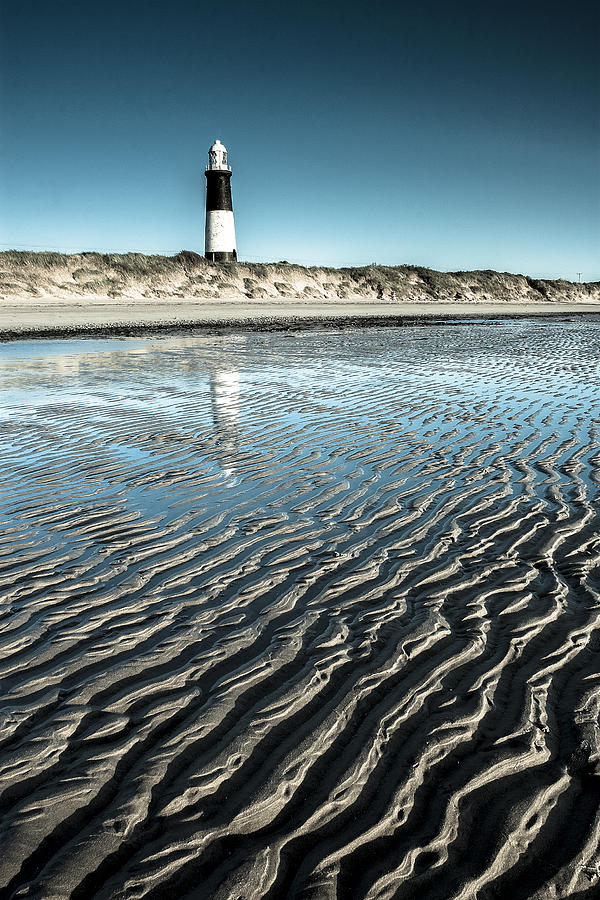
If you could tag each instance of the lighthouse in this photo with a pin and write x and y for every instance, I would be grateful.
(219, 237)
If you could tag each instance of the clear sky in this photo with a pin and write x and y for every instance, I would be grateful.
(455, 135)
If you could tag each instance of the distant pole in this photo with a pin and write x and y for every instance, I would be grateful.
(579, 276)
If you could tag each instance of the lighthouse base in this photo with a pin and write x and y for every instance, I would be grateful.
(221, 255)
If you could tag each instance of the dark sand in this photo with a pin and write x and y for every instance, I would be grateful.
(302, 615)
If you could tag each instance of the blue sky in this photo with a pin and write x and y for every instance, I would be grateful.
(452, 135)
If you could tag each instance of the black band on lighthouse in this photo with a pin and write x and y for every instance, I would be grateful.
(218, 190)
(221, 255)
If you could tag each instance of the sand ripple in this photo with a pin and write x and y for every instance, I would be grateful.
(310, 616)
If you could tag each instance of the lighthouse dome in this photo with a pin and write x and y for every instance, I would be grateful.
(217, 156)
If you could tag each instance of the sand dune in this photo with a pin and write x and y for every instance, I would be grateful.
(27, 275)
(302, 615)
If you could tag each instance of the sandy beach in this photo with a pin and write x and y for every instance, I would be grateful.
(302, 614)
(96, 315)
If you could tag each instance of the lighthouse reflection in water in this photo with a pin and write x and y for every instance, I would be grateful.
(225, 405)
(102, 386)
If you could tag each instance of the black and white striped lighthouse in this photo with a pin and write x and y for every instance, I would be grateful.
(219, 237)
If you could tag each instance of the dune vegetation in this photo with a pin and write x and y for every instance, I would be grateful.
(187, 275)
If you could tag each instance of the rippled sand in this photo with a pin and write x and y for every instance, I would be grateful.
(308, 616)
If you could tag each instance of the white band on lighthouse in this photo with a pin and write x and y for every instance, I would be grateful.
(220, 231)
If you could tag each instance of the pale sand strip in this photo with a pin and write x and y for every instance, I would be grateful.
(98, 314)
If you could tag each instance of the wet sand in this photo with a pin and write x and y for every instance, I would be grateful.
(97, 315)
(302, 615)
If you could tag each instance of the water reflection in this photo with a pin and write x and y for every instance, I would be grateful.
(225, 406)
(209, 386)
(44, 375)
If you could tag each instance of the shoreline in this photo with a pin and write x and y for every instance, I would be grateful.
(98, 317)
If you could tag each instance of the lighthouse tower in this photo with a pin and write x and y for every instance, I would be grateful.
(219, 239)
